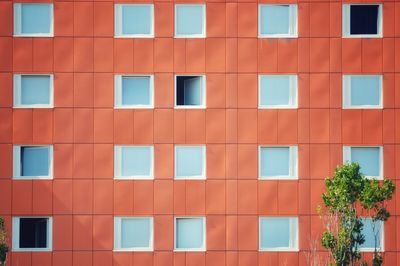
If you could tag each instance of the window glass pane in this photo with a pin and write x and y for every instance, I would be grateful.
(275, 90)
(364, 19)
(275, 232)
(189, 90)
(368, 158)
(365, 90)
(371, 231)
(189, 233)
(135, 233)
(33, 232)
(36, 18)
(136, 161)
(35, 89)
(135, 90)
(274, 19)
(136, 19)
(34, 161)
(189, 161)
(274, 161)
(189, 19)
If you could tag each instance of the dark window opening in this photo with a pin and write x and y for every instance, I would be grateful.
(33, 232)
(364, 19)
(189, 90)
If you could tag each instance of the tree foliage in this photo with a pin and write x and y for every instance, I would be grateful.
(350, 196)
(3, 242)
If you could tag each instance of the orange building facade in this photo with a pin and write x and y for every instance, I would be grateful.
(83, 126)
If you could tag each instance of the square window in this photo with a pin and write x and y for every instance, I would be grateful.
(190, 162)
(372, 231)
(362, 91)
(190, 21)
(190, 234)
(134, 162)
(369, 159)
(278, 234)
(134, 20)
(362, 20)
(33, 91)
(190, 92)
(277, 91)
(32, 233)
(33, 162)
(134, 91)
(277, 21)
(278, 162)
(33, 19)
(133, 233)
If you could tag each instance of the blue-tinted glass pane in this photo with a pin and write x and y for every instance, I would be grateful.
(368, 158)
(35, 89)
(189, 20)
(136, 19)
(275, 19)
(135, 233)
(36, 18)
(275, 233)
(365, 90)
(189, 161)
(192, 92)
(275, 90)
(275, 161)
(370, 233)
(135, 90)
(189, 233)
(136, 161)
(35, 161)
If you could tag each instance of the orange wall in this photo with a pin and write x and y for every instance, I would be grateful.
(83, 126)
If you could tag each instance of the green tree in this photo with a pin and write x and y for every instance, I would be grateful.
(350, 196)
(3, 242)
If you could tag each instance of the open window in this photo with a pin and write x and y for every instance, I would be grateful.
(33, 19)
(32, 233)
(362, 20)
(33, 162)
(370, 159)
(190, 92)
(190, 234)
(133, 233)
(278, 234)
(33, 91)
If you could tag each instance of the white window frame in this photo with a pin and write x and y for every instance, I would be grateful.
(346, 92)
(17, 163)
(347, 158)
(203, 92)
(16, 233)
(293, 22)
(204, 29)
(118, 163)
(293, 93)
(118, 93)
(382, 238)
(118, 21)
(18, 21)
(203, 248)
(17, 92)
(293, 163)
(198, 177)
(118, 232)
(346, 21)
(293, 234)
